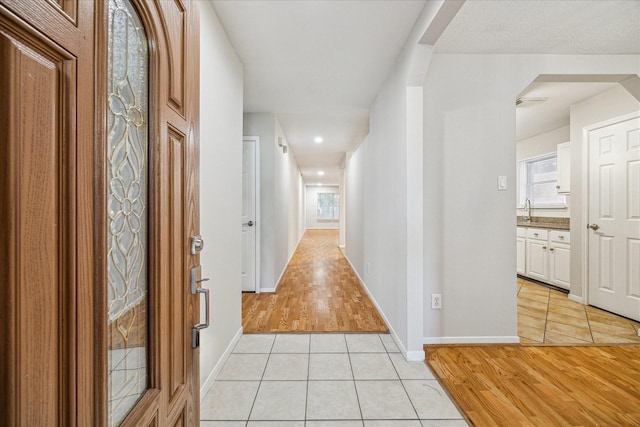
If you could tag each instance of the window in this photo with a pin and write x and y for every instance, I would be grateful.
(538, 180)
(328, 206)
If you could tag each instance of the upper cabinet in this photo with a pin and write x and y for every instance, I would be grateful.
(564, 168)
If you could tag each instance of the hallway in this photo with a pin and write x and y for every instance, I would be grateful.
(319, 292)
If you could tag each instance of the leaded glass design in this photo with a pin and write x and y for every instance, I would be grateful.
(127, 158)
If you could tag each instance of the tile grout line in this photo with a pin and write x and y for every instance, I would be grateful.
(353, 376)
(306, 401)
(261, 378)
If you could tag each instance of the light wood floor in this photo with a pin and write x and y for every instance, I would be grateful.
(547, 316)
(319, 292)
(541, 386)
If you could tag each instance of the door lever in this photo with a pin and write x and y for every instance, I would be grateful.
(195, 290)
(594, 227)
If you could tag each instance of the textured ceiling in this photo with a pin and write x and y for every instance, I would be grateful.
(544, 26)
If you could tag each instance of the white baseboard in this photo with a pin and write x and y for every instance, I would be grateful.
(472, 340)
(575, 298)
(208, 383)
(411, 356)
(323, 228)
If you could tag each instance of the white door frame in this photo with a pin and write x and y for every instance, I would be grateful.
(585, 195)
(258, 224)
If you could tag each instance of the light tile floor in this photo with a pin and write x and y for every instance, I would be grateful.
(325, 380)
(547, 316)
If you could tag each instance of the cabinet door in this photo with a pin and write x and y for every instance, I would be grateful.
(521, 255)
(537, 259)
(559, 265)
(564, 168)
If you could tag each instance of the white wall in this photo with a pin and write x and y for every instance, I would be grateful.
(611, 104)
(539, 145)
(311, 211)
(384, 195)
(280, 204)
(355, 219)
(469, 229)
(221, 80)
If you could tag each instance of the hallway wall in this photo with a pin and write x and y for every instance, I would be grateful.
(280, 190)
(221, 104)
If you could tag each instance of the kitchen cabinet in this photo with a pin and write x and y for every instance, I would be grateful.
(559, 258)
(563, 158)
(546, 254)
(521, 250)
(537, 258)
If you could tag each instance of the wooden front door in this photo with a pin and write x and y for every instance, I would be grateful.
(99, 198)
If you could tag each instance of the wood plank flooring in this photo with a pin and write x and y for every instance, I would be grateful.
(541, 386)
(319, 292)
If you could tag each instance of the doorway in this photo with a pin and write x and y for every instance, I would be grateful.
(586, 95)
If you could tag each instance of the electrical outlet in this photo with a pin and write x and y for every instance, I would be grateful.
(436, 301)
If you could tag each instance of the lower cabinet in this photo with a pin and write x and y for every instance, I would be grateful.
(521, 250)
(546, 254)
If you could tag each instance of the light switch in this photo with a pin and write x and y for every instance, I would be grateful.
(502, 183)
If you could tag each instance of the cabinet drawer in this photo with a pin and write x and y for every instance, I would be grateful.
(560, 236)
(521, 232)
(537, 233)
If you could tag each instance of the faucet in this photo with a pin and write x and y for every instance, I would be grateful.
(527, 209)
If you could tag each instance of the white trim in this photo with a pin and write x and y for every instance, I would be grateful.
(341, 246)
(410, 356)
(256, 162)
(208, 383)
(575, 298)
(322, 228)
(472, 340)
(284, 269)
(585, 195)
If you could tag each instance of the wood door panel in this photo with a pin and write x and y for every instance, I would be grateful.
(174, 19)
(69, 8)
(36, 113)
(178, 284)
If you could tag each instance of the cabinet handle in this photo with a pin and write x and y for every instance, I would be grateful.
(558, 187)
(551, 249)
(561, 236)
(535, 234)
(544, 247)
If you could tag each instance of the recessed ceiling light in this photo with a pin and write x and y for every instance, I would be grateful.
(318, 139)
(319, 184)
(320, 173)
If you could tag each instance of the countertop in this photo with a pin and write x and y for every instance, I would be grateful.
(544, 222)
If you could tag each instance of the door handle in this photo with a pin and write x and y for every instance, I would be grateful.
(250, 223)
(196, 290)
(594, 227)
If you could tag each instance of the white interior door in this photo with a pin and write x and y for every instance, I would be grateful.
(614, 218)
(249, 220)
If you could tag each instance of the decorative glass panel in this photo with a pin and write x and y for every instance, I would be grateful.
(127, 142)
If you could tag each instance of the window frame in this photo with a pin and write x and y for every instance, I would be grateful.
(334, 207)
(525, 185)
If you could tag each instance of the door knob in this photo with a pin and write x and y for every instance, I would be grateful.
(250, 223)
(594, 227)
